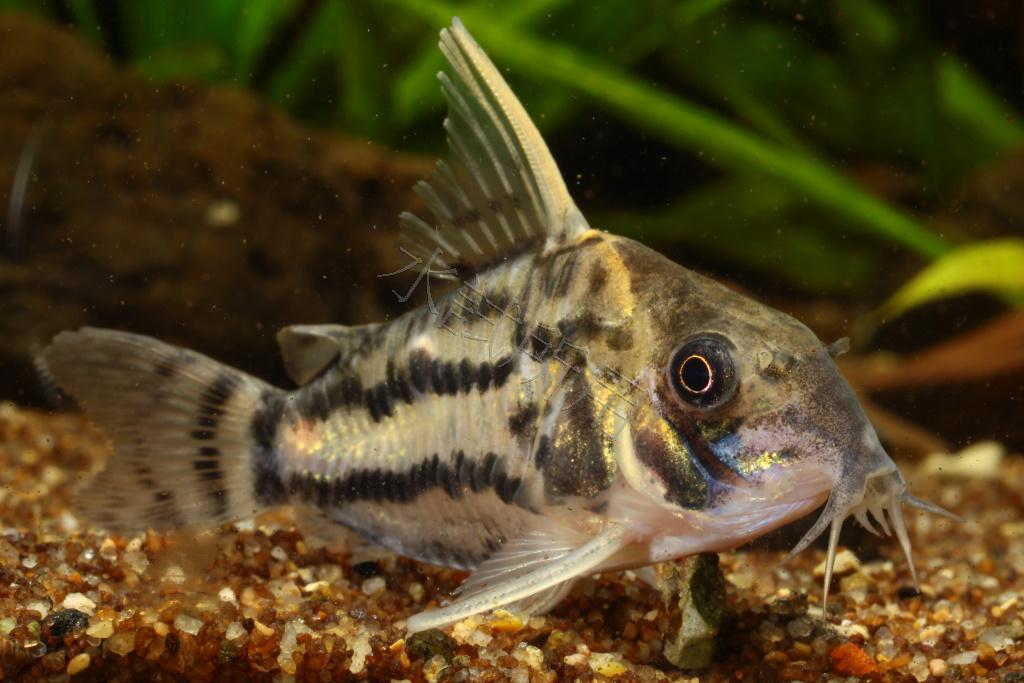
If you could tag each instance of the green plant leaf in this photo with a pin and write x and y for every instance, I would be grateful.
(314, 47)
(868, 28)
(969, 101)
(757, 225)
(202, 62)
(87, 20)
(995, 266)
(37, 7)
(257, 21)
(416, 90)
(690, 126)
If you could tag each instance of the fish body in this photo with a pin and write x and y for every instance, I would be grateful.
(578, 403)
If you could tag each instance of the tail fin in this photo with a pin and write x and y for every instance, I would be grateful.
(181, 425)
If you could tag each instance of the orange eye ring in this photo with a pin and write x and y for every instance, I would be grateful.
(701, 371)
(696, 374)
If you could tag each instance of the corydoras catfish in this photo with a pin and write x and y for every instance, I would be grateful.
(578, 403)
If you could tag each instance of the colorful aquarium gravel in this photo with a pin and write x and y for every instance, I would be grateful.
(260, 602)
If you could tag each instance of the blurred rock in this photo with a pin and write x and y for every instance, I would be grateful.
(694, 589)
(199, 215)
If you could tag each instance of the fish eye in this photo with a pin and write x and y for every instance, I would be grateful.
(701, 371)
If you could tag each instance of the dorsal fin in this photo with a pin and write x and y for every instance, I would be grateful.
(499, 193)
(307, 350)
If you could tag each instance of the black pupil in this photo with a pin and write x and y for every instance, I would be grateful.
(696, 374)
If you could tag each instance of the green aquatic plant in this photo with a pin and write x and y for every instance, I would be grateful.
(779, 105)
(994, 266)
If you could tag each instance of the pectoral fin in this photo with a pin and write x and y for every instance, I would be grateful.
(527, 573)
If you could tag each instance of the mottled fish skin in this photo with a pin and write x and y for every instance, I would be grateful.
(578, 403)
(471, 419)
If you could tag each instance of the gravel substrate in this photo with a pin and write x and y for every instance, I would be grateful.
(257, 602)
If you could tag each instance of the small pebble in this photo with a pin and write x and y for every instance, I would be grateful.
(236, 633)
(607, 664)
(850, 660)
(416, 591)
(40, 608)
(846, 562)
(108, 550)
(65, 622)
(174, 574)
(79, 663)
(978, 461)
(226, 594)
(799, 628)
(374, 585)
(79, 602)
(101, 629)
(997, 638)
(187, 624)
(120, 643)
(919, 668)
(964, 658)
(136, 560)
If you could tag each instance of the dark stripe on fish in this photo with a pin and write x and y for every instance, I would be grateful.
(419, 370)
(378, 402)
(171, 366)
(544, 343)
(685, 484)
(166, 509)
(212, 400)
(398, 383)
(341, 388)
(597, 278)
(522, 424)
(581, 466)
(689, 432)
(269, 488)
(381, 485)
(586, 327)
(337, 388)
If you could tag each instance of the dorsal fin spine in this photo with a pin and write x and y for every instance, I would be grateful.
(521, 157)
(462, 108)
(480, 203)
(428, 193)
(458, 192)
(499, 193)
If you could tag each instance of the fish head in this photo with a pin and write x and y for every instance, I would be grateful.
(745, 423)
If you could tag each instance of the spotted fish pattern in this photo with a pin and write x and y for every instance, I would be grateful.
(577, 403)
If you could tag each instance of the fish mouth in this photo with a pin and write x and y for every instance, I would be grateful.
(875, 500)
(744, 514)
